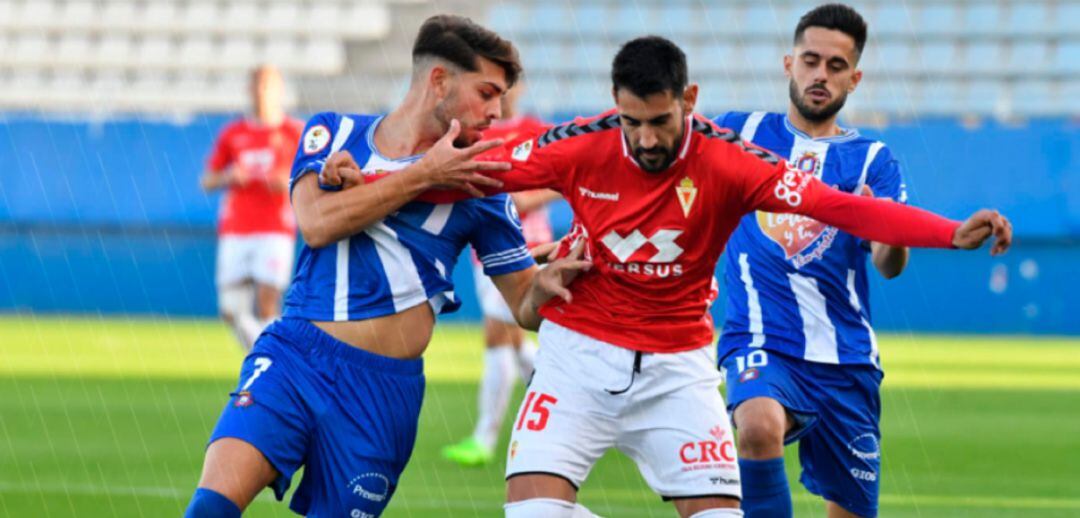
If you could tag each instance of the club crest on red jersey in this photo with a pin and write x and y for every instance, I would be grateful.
(687, 193)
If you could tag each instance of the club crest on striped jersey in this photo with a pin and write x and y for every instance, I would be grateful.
(687, 193)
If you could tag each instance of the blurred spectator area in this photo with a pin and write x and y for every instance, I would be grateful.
(1000, 58)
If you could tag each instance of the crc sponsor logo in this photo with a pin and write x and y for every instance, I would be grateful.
(606, 196)
(717, 451)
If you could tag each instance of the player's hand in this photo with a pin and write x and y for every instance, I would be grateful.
(239, 175)
(341, 170)
(447, 167)
(544, 253)
(867, 191)
(553, 280)
(980, 227)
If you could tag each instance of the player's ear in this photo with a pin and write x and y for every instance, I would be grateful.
(856, 77)
(689, 98)
(788, 61)
(439, 79)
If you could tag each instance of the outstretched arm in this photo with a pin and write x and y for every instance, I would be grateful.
(779, 188)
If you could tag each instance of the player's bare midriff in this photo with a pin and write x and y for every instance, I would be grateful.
(403, 335)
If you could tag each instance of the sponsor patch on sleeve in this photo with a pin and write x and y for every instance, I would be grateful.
(522, 151)
(316, 139)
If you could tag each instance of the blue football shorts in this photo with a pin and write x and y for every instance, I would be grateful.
(348, 416)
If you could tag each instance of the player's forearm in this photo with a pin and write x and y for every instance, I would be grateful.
(890, 261)
(325, 217)
(213, 181)
(528, 312)
(529, 201)
(877, 220)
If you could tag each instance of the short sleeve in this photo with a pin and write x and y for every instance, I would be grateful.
(315, 146)
(221, 156)
(497, 237)
(731, 120)
(885, 177)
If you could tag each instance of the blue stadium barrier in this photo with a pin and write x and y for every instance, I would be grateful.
(107, 218)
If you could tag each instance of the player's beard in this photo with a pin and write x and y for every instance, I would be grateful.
(815, 113)
(667, 157)
(444, 113)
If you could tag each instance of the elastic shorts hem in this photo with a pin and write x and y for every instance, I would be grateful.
(668, 498)
(304, 332)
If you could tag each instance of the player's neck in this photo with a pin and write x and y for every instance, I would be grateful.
(814, 129)
(269, 118)
(405, 132)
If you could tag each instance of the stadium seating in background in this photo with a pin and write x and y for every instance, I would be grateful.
(1007, 58)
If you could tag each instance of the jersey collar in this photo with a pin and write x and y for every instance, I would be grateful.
(370, 137)
(846, 135)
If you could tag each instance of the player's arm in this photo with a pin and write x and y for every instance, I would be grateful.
(771, 185)
(326, 215)
(889, 260)
(514, 288)
(551, 281)
(221, 171)
(529, 201)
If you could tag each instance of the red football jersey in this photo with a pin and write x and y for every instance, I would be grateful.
(655, 238)
(263, 152)
(536, 224)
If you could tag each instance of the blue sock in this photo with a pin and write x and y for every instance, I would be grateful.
(208, 503)
(765, 489)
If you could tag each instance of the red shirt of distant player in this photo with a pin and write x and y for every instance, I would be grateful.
(536, 224)
(261, 151)
(654, 238)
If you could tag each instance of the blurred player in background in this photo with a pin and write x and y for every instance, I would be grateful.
(256, 228)
(336, 384)
(508, 352)
(800, 357)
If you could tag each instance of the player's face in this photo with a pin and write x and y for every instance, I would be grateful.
(474, 99)
(822, 73)
(267, 89)
(654, 125)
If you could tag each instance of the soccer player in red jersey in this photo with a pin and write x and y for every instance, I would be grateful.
(256, 229)
(625, 358)
(508, 352)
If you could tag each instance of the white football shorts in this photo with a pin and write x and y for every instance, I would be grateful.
(663, 410)
(263, 258)
(492, 303)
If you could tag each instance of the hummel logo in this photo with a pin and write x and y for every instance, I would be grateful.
(606, 196)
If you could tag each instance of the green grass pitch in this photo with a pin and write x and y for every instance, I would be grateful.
(108, 417)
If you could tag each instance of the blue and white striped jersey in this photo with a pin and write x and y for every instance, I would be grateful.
(794, 285)
(405, 259)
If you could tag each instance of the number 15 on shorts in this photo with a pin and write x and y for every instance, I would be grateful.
(536, 411)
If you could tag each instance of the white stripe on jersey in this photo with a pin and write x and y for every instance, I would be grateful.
(401, 273)
(341, 282)
(518, 254)
(818, 330)
(436, 221)
(871, 154)
(853, 298)
(752, 302)
(749, 128)
(341, 277)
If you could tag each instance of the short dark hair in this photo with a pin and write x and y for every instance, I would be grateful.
(461, 41)
(649, 65)
(837, 17)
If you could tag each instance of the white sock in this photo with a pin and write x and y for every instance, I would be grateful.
(546, 508)
(495, 387)
(725, 512)
(239, 303)
(526, 359)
